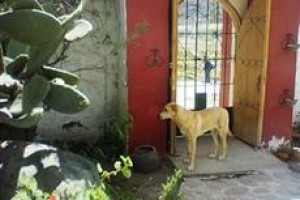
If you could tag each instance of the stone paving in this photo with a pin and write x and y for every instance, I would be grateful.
(272, 183)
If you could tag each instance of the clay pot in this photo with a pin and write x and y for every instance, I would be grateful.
(296, 155)
(145, 159)
(284, 156)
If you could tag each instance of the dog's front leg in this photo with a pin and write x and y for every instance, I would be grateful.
(192, 155)
(187, 159)
(215, 145)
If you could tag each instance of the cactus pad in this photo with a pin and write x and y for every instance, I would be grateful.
(34, 92)
(66, 99)
(39, 56)
(68, 77)
(23, 4)
(15, 67)
(27, 120)
(16, 48)
(35, 35)
(30, 22)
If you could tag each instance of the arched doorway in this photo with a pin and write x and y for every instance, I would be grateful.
(245, 59)
(202, 55)
(205, 56)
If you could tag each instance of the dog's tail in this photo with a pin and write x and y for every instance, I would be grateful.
(230, 134)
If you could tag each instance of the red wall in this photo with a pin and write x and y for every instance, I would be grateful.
(147, 29)
(225, 65)
(281, 68)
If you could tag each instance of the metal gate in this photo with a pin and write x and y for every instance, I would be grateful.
(205, 57)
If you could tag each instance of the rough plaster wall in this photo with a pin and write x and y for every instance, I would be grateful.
(99, 60)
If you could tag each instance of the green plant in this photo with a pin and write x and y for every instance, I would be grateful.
(124, 166)
(107, 148)
(104, 191)
(39, 86)
(171, 188)
(27, 189)
(114, 140)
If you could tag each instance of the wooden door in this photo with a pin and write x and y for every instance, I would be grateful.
(250, 72)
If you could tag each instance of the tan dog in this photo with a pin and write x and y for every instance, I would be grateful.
(193, 124)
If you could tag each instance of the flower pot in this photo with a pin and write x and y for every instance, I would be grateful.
(145, 159)
(296, 154)
(284, 156)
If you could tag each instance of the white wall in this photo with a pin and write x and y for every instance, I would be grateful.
(297, 90)
(99, 60)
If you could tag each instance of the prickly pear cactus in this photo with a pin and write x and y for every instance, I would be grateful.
(35, 35)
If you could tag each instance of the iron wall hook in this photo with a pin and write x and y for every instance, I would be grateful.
(286, 98)
(289, 43)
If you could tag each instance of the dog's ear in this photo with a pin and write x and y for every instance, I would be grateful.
(173, 107)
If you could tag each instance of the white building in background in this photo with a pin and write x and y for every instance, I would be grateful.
(296, 113)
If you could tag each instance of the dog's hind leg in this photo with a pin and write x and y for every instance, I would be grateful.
(215, 145)
(223, 137)
(192, 155)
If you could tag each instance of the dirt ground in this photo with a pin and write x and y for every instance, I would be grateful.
(146, 186)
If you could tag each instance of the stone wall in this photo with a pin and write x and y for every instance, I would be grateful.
(99, 60)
